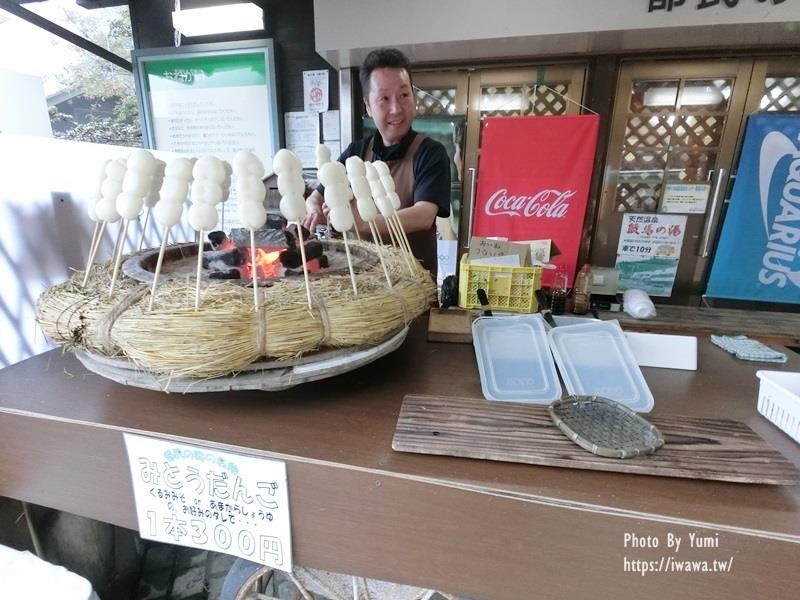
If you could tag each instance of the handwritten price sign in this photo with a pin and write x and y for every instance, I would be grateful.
(212, 500)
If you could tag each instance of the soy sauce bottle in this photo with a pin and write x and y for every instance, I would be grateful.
(581, 295)
(558, 292)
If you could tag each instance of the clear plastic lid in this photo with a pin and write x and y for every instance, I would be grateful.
(595, 360)
(514, 360)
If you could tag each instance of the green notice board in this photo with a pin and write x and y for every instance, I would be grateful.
(210, 99)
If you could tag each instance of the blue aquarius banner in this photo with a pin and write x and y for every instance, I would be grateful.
(757, 256)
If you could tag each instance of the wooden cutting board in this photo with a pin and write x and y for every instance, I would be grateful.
(695, 448)
(450, 325)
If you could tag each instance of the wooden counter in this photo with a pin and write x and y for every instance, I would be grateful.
(475, 528)
(780, 328)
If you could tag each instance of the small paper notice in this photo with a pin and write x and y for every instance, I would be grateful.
(213, 500)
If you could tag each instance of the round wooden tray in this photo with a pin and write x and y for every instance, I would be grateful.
(267, 375)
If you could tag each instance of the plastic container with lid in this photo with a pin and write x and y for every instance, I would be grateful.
(594, 359)
(514, 360)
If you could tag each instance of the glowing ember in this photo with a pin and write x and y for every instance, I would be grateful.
(267, 263)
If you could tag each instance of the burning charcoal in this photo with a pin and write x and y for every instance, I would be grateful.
(323, 261)
(220, 260)
(228, 274)
(313, 250)
(291, 258)
(217, 239)
(291, 235)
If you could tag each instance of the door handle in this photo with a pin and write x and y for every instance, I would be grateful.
(711, 219)
(473, 181)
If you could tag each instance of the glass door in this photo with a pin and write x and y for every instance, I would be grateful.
(672, 145)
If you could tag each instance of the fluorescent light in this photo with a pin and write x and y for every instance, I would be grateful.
(210, 20)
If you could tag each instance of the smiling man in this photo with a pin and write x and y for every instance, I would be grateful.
(419, 165)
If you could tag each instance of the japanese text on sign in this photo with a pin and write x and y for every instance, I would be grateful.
(668, 5)
(213, 500)
(651, 235)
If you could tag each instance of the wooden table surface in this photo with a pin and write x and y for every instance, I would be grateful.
(481, 529)
(780, 328)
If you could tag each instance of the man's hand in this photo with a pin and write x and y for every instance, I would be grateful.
(315, 214)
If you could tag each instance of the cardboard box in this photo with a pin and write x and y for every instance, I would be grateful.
(542, 251)
(482, 249)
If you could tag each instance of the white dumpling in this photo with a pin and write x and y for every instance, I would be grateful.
(179, 167)
(329, 173)
(203, 217)
(206, 191)
(106, 210)
(388, 183)
(381, 168)
(360, 187)
(129, 205)
(366, 208)
(286, 160)
(252, 215)
(167, 214)
(136, 183)
(290, 183)
(385, 206)
(116, 169)
(209, 167)
(376, 187)
(250, 187)
(142, 161)
(111, 188)
(371, 173)
(394, 199)
(293, 208)
(174, 189)
(247, 163)
(337, 194)
(355, 167)
(322, 155)
(341, 217)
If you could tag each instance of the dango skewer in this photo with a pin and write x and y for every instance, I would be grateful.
(248, 171)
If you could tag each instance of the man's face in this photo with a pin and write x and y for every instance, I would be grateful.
(391, 103)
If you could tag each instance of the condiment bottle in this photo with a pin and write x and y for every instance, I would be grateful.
(581, 296)
(558, 292)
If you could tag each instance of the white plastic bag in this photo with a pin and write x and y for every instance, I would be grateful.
(638, 304)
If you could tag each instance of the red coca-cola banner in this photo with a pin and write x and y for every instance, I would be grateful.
(533, 181)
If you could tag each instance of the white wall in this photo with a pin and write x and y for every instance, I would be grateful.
(23, 107)
(473, 29)
(44, 228)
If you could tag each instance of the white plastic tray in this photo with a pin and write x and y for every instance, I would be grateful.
(595, 360)
(779, 400)
(514, 360)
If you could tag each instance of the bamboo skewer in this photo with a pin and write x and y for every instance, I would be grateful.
(254, 268)
(158, 266)
(305, 263)
(93, 250)
(375, 234)
(350, 263)
(200, 246)
(123, 230)
(144, 228)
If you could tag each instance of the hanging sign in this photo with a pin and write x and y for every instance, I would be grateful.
(533, 181)
(685, 198)
(205, 498)
(648, 252)
(757, 255)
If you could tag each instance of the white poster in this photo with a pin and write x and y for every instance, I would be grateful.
(315, 91)
(212, 500)
(302, 136)
(685, 198)
(648, 252)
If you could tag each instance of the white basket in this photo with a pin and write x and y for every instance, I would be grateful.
(779, 400)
